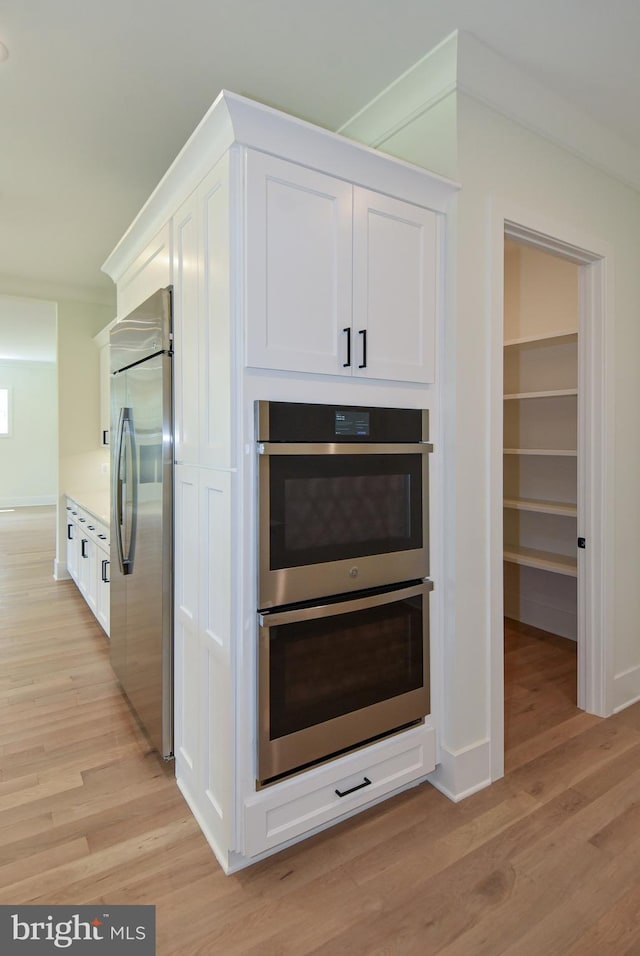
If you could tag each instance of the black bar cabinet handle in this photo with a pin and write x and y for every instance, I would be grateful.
(348, 362)
(345, 793)
(363, 333)
(69, 530)
(105, 563)
(82, 551)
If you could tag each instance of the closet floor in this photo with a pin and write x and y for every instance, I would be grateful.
(540, 675)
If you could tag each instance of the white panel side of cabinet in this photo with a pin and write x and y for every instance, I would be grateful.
(186, 322)
(188, 671)
(216, 591)
(187, 643)
(216, 341)
(298, 267)
(150, 271)
(395, 287)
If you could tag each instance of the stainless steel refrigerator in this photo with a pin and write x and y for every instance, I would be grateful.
(142, 515)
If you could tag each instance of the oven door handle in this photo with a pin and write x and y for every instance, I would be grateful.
(275, 618)
(343, 448)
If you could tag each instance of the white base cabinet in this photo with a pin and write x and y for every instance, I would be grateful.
(88, 559)
(288, 810)
(304, 267)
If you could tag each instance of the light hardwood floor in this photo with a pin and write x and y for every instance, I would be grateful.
(546, 861)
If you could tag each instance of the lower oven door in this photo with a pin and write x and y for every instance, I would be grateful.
(334, 676)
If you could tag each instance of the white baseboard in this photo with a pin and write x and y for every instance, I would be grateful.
(28, 502)
(626, 689)
(60, 572)
(463, 772)
(552, 619)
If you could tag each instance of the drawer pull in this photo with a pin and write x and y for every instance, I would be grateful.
(359, 786)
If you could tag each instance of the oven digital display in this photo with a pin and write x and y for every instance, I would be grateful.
(352, 423)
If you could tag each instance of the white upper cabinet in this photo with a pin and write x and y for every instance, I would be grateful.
(299, 247)
(395, 275)
(340, 280)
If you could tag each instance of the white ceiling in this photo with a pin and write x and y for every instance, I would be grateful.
(98, 96)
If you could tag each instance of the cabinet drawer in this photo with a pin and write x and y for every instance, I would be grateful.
(287, 810)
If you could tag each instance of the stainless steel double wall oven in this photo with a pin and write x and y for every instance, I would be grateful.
(343, 588)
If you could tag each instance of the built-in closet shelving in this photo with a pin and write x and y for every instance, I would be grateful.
(540, 439)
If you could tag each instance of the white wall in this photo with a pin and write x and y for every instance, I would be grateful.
(27, 329)
(83, 462)
(540, 292)
(29, 455)
(500, 162)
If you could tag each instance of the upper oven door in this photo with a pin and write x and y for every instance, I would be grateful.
(335, 518)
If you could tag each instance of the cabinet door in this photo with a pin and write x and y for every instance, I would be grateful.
(102, 598)
(73, 545)
(87, 574)
(395, 288)
(298, 267)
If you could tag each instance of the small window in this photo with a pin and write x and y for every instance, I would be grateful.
(5, 413)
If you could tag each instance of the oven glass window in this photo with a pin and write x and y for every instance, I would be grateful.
(332, 666)
(333, 507)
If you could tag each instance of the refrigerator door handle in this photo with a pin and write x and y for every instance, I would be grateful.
(125, 516)
(131, 500)
(117, 490)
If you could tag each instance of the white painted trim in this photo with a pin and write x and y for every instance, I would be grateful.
(235, 119)
(495, 536)
(60, 572)
(413, 93)
(101, 338)
(463, 64)
(595, 509)
(463, 772)
(626, 689)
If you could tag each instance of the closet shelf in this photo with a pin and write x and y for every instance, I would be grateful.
(550, 393)
(556, 452)
(560, 508)
(543, 560)
(554, 338)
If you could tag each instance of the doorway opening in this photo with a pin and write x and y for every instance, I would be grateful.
(540, 483)
(28, 402)
(550, 452)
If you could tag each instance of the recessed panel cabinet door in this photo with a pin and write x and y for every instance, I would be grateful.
(298, 267)
(186, 271)
(395, 279)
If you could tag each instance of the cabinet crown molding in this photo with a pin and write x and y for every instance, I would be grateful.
(236, 120)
